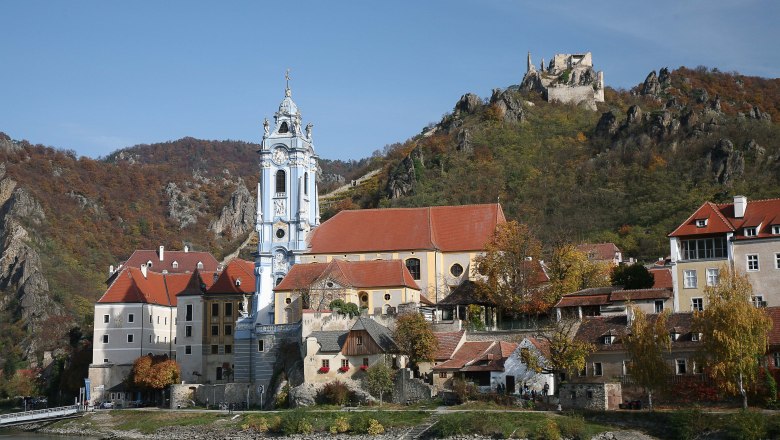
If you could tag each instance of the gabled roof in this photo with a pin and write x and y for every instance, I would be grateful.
(448, 343)
(357, 274)
(238, 277)
(599, 251)
(599, 296)
(330, 341)
(662, 277)
(479, 356)
(186, 261)
(444, 228)
(720, 219)
(130, 286)
(543, 345)
(379, 333)
(592, 330)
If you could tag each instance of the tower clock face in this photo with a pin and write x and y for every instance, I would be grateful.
(279, 156)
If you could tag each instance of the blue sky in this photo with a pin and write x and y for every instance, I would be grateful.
(95, 76)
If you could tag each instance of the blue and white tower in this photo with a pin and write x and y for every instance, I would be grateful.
(287, 207)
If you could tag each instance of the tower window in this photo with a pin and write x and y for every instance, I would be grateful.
(284, 128)
(281, 180)
(306, 183)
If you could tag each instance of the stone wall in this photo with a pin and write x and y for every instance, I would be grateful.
(407, 389)
(188, 395)
(593, 396)
(104, 377)
(573, 94)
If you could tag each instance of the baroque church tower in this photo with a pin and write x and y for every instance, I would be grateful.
(287, 204)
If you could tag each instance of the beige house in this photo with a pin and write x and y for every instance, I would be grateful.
(741, 235)
(380, 287)
(437, 244)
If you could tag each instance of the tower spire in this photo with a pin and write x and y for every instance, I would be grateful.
(287, 91)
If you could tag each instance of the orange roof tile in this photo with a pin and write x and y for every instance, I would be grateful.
(448, 342)
(599, 251)
(721, 219)
(638, 294)
(662, 278)
(186, 261)
(358, 274)
(238, 277)
(469, 351)
(583, 300)
(445, 228)
(130, 286)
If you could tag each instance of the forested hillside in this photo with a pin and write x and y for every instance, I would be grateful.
(628, 173)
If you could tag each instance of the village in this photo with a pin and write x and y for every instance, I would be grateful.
(426, 294)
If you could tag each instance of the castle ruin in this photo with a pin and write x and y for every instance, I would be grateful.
(568, 78)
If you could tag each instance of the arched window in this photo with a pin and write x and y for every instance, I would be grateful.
(281, 182)
(306, 183)
(413, 264)
(283, 128)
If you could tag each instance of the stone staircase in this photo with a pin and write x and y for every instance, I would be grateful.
(420, 430)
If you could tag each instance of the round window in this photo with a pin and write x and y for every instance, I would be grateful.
(387, 297)
(364, 298)
(329, 284)
(288, 300)
(456, 270)
(280, 233)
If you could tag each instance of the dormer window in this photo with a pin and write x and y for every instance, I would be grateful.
(149, 264)
(238, 282)
(674, 335)
(776, 229)
(200, 265)
(608, 339)
(751, 232)
(175, 264)
(702, 222)
(695, 337)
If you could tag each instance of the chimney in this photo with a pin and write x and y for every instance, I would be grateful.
(111, 270)
(162, 253)
(740, 206)
(186, 248)
(143, 270)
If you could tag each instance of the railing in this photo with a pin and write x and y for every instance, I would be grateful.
(38, 414)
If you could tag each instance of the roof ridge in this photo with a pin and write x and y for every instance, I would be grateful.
(167, 292)
(430, 230)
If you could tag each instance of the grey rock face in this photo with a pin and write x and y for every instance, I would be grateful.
(468, 104)
(664, 77)
(703, 96)
(401, 181)
(463, 140)
(608, 124)
(634, 115)
(180, 207)
(725, 162)
(238, 216)
(757, 114)
(509, 105)
(715, 104)
(651, 85)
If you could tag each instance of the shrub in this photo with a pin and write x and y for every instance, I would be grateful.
(463, 390)
(547, 430)
(572, 427)
(282, 399)
(335, 393)
(359, 423)
(374, 427)
(339, 426)
(747, 425)
(294, 422)
(686, 425)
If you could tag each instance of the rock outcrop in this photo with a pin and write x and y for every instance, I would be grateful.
(238, 216)
(725, 162)
(509, 105)
(651, 85)
(402, 179)
(181, 208)
(24, 291)
(467, 104)
(608, 124)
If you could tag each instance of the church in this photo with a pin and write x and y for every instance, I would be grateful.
(382, 260)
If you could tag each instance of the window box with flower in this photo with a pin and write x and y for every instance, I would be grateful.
(344, 368)
(363, 367)
(323, 370)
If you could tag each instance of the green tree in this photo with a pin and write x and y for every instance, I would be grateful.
(570, 271)
(734, 333)
(566, 353)
(415, 338)
(344, 308)
(508, 272)
(379, 380)
(635, 276)
(646, 343)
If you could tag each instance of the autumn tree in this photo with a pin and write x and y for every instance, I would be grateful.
(734, 333)
(646, 343)
(508, 272)
(634, 276)
(566, 353)
(570, 270)
(415, 338)
(155, 372)
(379, 380)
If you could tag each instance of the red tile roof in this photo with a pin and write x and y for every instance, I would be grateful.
(130, 286)
(468, 352)
(479, 356)
(444, 228)
(720, 219)
(598, 296)
(662, 277)
(238, 277)
(448, 342)
(187, 261)
(583, 300)
(638, 294)
(358, 274)
(592, 329)
(543, 345)
(599, 251)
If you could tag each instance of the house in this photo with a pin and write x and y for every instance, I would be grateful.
(437, 244)
(598, 301)
(480, 362)
(332, 354)
(207, 326)
(517, 375)
(744, 235)
(379, 286)
(448, 344)
(602, 253)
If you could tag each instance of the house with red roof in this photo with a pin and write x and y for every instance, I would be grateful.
(437, 244)
(743, 235)
(612, 300)
(479, 362)
(602, 252)
(378, 286)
